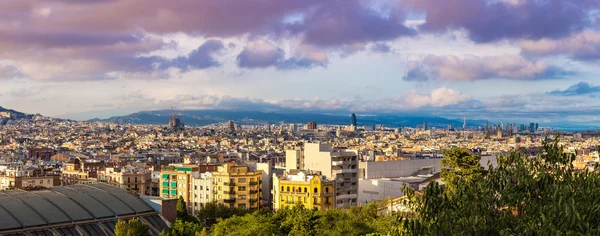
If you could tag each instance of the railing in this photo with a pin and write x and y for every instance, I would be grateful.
(230, 184)
(253, 182)
(229, 192)
(253, 191)
(230, 200)
(253, 200)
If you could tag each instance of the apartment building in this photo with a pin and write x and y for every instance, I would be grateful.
(134, 179)
(334, 163)
(237, 187)
(22, 179)
(81, 170)
(176, 180)
(202, 190)
(308, 188)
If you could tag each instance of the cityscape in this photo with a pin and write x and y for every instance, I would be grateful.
(276, 117)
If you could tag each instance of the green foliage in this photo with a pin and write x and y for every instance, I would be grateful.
(209, 213)
(543, 195)
(301, 221)
(460, 167)
(132, 227)
(181, 208)
(184, 228)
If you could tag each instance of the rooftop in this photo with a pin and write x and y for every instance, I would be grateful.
(73, 208)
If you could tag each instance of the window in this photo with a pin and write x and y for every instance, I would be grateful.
(242, 206)
(41, 181)
(242, 188)
(242, 197)
(316, 190)
(242, 180)
(282, 189)
(195, 187)
(326, 190)
(305, 190)
(305, 199)
(200, 187)
(288, 188)
(135, 179)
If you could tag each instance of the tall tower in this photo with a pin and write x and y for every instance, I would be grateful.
(487, 129)
(353, 120)
(424, 124)
(464, 122)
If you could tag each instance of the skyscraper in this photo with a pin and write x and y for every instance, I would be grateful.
(464, 122)
(353, 120)
(231, 126)
(311, 125)
(531, 127)
(424, 124)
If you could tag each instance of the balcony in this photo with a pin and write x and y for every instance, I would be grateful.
(214, 191)
(253, 191)
(230, 184)
(340, 163)
(229, 192)
(253, 183)
(252, 200)
(346, 196)
(343, 171)
(230, 200)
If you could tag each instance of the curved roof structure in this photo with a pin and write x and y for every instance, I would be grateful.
(72, 210)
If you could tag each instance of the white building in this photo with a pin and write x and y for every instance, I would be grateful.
(334, 163)
(200, 193)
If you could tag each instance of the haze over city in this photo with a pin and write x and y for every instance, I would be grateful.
(511, 60)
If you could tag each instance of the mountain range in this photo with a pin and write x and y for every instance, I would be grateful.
(207, 117)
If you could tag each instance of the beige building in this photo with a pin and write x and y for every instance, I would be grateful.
(20, 179)
(81, 170)
(334, 163)
(237, 187)
(176, 180)
(137, 180)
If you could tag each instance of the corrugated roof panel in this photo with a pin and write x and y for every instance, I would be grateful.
(20, 211)
(47, 210)
(133, 201)
(113, 203)
(92, 205)
(74, 211)
(8, 222)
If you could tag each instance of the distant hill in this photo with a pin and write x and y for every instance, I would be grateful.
(207, 117)
(9, 114)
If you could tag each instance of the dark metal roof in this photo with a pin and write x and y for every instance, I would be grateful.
(93, 209)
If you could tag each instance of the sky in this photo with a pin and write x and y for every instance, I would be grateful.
(502, 60)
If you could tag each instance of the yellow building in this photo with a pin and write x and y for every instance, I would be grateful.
(176, 180)
(310, 189)
(237, 187)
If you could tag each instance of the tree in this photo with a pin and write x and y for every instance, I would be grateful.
(181, 208)
(132, 227)
(183, 228)
(459, 166)
(542, 195)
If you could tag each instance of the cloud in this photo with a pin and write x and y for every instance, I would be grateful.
(262, 54)
(9, 72)
(200, 58)
(580, 88)
(381, 47)
(469, 68)
(438, 97)
(335, 23)
(488, 21)
(583, 46)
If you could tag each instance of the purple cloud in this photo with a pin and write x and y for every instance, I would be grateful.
(262, 54)
(495, 20)
(9, 72)
(452, 68)
(200, 58)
